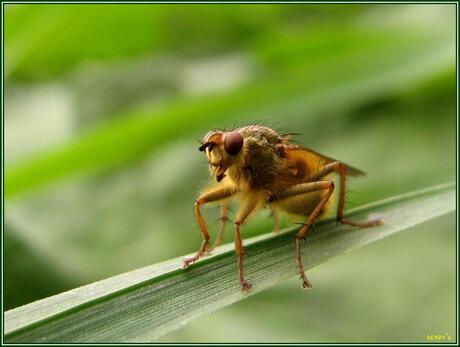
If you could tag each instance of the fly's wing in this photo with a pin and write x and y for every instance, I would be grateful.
(305, 162)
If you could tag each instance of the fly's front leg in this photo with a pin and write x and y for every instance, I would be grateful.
(210, 196)
(302, 189)
(246, 209)
(341, 170)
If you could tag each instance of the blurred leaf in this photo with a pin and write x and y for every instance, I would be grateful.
(29, 274)
(398, 65)
(149, 302)
(37, 36)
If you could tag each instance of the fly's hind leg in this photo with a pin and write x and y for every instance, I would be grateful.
(216, 194)
(302, 189)
(341, 170)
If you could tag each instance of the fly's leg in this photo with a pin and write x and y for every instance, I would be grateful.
(315, 185)
(223, 220)
(239, 253)
(210, 196)
(341, 205)
(301, 189)
(340, 169)
(246, 209)
(276, 220)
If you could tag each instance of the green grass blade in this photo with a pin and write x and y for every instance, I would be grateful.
(147, 303)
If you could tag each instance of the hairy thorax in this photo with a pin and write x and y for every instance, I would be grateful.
(260, 168)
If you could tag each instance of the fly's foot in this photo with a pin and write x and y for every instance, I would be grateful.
(187, 261)
(245, 286)
(305, 282)
(375, 222)
(372, 223)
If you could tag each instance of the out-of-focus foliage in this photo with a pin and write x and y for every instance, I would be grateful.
(104, 104)
(52, 39)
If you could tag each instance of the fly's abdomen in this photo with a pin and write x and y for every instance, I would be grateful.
(302, 205)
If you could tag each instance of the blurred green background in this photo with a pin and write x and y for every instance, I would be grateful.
(103, 108)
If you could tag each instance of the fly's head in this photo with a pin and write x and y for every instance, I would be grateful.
(222, 150)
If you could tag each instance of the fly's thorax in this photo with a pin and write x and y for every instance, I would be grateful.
(246, 155)
(255, 166)
(261, 134)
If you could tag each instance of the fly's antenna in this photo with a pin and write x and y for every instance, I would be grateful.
(204, 146)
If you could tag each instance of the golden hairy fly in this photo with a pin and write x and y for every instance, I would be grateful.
(260, 168)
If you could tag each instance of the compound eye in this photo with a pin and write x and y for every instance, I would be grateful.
(233, 142)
